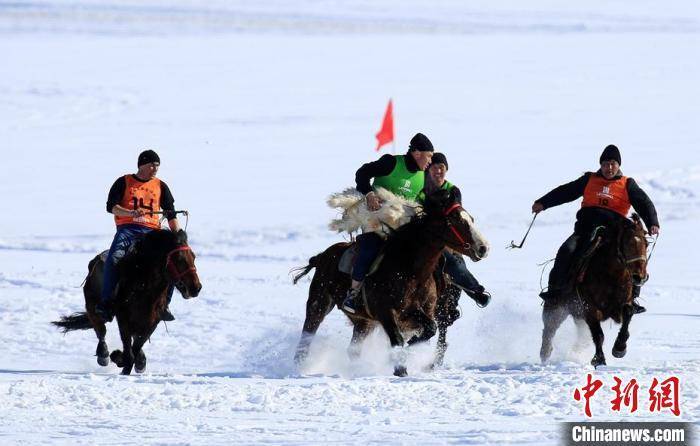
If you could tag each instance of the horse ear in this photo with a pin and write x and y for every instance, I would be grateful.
(181, 237)
(437, 200)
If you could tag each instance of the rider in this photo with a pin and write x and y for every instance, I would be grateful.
(135, 200)
(400, 174)
(607, 196)
(455, 266)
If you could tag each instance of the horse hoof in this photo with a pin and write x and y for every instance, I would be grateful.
(103, 360)
(117, 357)
(619, 353)
(400, 371)
(597, 362)
(126, 372)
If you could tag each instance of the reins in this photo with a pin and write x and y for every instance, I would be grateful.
(172, 269)
(454, 230)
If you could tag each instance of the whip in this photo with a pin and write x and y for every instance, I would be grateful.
(512, 242)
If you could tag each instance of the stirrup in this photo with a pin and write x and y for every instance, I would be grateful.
(350, 303)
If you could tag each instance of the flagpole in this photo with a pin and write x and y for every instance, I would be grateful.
(393, 122)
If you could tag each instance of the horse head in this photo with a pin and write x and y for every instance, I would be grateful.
(459, 230)
(180, 268)
(632, 249)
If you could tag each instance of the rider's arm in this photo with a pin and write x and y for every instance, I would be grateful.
(564, 193)
(456, 194)
(116, 192)
(167, 204)
(383, 166)
(642, 204)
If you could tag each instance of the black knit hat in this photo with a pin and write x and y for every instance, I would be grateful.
(148, 156)
(611, 152)
(440, 158)
(421, 143)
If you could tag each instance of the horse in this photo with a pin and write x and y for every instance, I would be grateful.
(612, 265)
(401, 294)
(157, 262)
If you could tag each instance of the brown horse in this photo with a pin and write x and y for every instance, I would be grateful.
(401, 295)
(158, 261)
(613, 264)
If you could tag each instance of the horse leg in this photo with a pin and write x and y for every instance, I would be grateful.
(360, 330)
(441, 345)
(552, 318)
(428, 327)
(127, 354)
(139, 355)
(317, 307)
(396, 339)
(620, 347)
(598, 338)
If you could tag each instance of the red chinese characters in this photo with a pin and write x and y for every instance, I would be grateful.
(664, 395)
(667, 397)
(626, 396)
(589, 390)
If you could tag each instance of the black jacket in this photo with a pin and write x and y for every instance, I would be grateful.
(588, 218)
(382, 167)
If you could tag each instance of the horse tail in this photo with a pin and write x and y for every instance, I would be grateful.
(76, 321)
(304, 270)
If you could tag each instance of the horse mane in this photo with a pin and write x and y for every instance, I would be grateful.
(435, 203)
(148, 252)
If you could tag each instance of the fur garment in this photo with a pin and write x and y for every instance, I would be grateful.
(395, 211)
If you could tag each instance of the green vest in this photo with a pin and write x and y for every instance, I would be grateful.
(445, 186)
(401, 181)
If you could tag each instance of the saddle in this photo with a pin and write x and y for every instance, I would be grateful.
(347, 260)
(579, 267)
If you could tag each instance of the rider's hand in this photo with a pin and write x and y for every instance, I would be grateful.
(654, 230)
(537, 207)
(373, 202)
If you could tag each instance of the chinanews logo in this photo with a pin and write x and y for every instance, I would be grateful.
(605, 193)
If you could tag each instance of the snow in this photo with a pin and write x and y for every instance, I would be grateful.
(259, 110)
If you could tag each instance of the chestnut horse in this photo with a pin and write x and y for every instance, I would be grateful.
(401, 295)
(603, 287)
(158, 261)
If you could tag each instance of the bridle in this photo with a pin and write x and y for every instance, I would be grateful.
(628, 261)
(454, 230)
(171, 268)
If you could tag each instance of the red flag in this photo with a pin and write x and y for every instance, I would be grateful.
(386, 133)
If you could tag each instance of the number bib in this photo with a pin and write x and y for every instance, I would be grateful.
(607, 194)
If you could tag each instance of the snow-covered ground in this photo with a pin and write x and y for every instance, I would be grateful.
(259, 110)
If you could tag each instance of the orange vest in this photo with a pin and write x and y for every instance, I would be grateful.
(144, 195)
(607, 194)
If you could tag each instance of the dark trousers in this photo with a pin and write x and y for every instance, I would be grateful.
(456, 268)
(369, 245)
(559, 274)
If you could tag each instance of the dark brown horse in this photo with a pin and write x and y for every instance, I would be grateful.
(603, 283)
(146, 273)
(401, 295)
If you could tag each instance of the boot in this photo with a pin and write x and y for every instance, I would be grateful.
(638, 309)
(166, 315)
(350, 302)
(550, 295)
(480, 296)
(636, 291)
